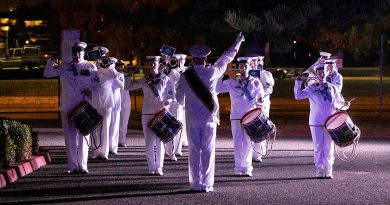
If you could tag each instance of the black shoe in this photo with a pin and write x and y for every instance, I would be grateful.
(75, 171)
(83, 171)
(122, 145)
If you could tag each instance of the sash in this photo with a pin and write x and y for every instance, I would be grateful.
(245, 90)
(74, 69)
(200, 89)
(152, 86)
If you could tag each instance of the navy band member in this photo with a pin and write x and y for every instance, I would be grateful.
(175, 146)
(324, 100)
(268, 82)
(244, 91)
(77, 78)
(334, 76)
(125, 103)
(155, 87)
(201, 103)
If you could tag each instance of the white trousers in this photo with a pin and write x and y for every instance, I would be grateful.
(201, 157)
(77, 158)
(155, 159)
(175, 146)
(323, 150)
(114, 131)
(242, 148)
(181, 114)
(101, 138)
(123, 124)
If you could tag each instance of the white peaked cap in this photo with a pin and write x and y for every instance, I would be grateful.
(102, 48)
(113, 60)
(81, 44)
(153, 58)
(330, 61)
(244, 59)
(180, 56)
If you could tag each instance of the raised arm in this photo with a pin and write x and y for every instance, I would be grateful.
(50, 71)
(228, 55)
(298, 92)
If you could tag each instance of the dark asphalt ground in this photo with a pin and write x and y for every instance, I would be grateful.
(285, 177)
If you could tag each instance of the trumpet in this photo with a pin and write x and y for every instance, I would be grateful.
(169, 63)
(323, 55)
(105, 62)
(305, 78)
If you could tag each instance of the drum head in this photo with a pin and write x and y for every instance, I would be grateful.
(336, 120)
(251, 115)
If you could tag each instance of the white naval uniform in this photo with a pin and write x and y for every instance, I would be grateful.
(117, 86)
(103, 101)
(320, 110)
(240, 105)
(201, 125)
(177, 111)
(268, 83)
(125, 111)
(150, 107)
(71, 97)
(336, 79)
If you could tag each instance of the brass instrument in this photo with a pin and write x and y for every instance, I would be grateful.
(105, 62)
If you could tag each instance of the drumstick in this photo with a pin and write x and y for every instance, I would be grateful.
(351, 100)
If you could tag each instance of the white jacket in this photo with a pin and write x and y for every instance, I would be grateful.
(72, 85)
(240, 104)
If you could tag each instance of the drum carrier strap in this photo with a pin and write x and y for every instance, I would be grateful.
(200, 89)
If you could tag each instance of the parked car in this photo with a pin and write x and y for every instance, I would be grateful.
(24, 58)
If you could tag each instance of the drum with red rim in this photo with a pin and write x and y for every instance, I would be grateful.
(341, 129)
(257, 125)
(165, 125)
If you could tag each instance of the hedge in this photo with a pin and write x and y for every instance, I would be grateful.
(17, 142)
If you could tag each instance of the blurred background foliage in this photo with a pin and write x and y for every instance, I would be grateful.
(140, 27)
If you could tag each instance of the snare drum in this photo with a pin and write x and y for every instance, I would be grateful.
(341, 129)
(165, 125)
(86, 118)
(257, 125)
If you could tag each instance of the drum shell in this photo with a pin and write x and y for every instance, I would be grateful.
(259, 128)
(345, 134)
(86, 118)
(165, 125)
